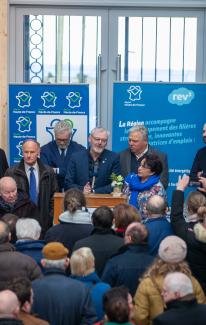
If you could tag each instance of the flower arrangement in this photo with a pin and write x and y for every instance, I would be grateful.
(117, 180)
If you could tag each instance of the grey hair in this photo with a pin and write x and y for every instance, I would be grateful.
(156, 204)
(140, 128)
(62, 126)
(58, 264)
(99, 129)
(179, 282)
(28, 228)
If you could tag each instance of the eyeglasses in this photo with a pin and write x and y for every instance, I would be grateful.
(99, 139)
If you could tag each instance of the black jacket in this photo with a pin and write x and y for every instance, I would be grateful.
(196, 250)
(3, 163)
(47, 188)
(103, 243)
(182, 312)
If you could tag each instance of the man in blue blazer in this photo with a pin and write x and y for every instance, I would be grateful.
(57, 153)
(90, 170)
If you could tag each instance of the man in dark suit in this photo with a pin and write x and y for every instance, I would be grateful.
(182, 307)
(31, 171)
(3, 163)
(57, 153)
(90, 170)
(131, 157)
(199, 164)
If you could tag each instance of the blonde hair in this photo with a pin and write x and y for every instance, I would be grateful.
(82, 262)
(195, 201)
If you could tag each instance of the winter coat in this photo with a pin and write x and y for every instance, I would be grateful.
(31, 248)
(149, 302)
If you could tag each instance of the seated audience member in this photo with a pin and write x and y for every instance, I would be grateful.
(75, 221)
(157, 224)
(90, 170)
(3, 163)
(145, 183)
(102, 241)
(139, 148)
(193, 231)
(22, 288)
(148, 298)
(131, 261)
(124, 214)
(83, 269)
(9, 308)
(57, 153)
(11, 220)
(118, 307)
(15, 201)
(28, 232)
(181, 305)
(14, 264)
(58, 298)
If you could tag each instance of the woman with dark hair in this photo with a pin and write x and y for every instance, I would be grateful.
(124, 214)
(145, 183)
(75, 221)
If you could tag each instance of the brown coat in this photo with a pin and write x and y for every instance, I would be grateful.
(149, 302)
(28, 319)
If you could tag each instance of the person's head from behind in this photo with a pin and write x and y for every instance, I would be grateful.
(62, 133)
(138, 139)
(30, 151)
(55, 256)
(150, 165)
(8, 189)
(124, 214)
(4, 233)
(176, 285)
(82, 262)
(74, 200)
(11, 219)
(194, 201)
(23, 289)
(117, 305)
(9, 304)
(103, 217)
(28, 229)
(156, 206)
(135, 233)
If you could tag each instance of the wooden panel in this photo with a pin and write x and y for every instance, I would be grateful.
(3, 71)
(93, 201)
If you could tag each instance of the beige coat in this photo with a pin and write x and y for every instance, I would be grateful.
(149, 302)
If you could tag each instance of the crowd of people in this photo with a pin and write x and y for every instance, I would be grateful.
(139, 263)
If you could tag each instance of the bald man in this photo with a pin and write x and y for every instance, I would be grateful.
(15, 201)
(9, 308)
(157, 224)
(43, 179)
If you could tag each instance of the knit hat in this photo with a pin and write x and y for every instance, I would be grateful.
(55, 251)
(172, 249)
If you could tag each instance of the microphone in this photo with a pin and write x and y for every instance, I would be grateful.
(95, 172)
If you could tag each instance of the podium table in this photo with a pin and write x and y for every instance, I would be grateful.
(93, 201)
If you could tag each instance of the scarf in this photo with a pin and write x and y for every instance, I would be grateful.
(136, 186)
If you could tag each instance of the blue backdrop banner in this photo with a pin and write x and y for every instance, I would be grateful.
(174, 114)
(34, 109)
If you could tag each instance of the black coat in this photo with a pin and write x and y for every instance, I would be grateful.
(47, 187)
(127, 266)
(62, 301)
(3, 163)
(196, 250)
(103, 243)
(180, 312)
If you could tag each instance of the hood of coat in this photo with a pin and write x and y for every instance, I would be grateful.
(200, 232)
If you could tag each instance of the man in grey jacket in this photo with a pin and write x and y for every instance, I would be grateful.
(139, 147)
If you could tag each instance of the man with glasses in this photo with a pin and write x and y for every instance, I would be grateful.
(57, 153)
(90, 170)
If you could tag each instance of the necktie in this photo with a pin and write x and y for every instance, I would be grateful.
(62, 153)
(32, 186)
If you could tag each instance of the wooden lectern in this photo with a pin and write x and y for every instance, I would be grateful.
(93, 201)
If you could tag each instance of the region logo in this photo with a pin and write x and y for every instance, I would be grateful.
(74, 99)
(50, 128)
(24, 124)
(24, 99)
(49, 99)
(181, 96)
(134, 93)
(19, 148)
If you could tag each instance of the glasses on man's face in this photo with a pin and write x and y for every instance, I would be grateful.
(96, 139)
